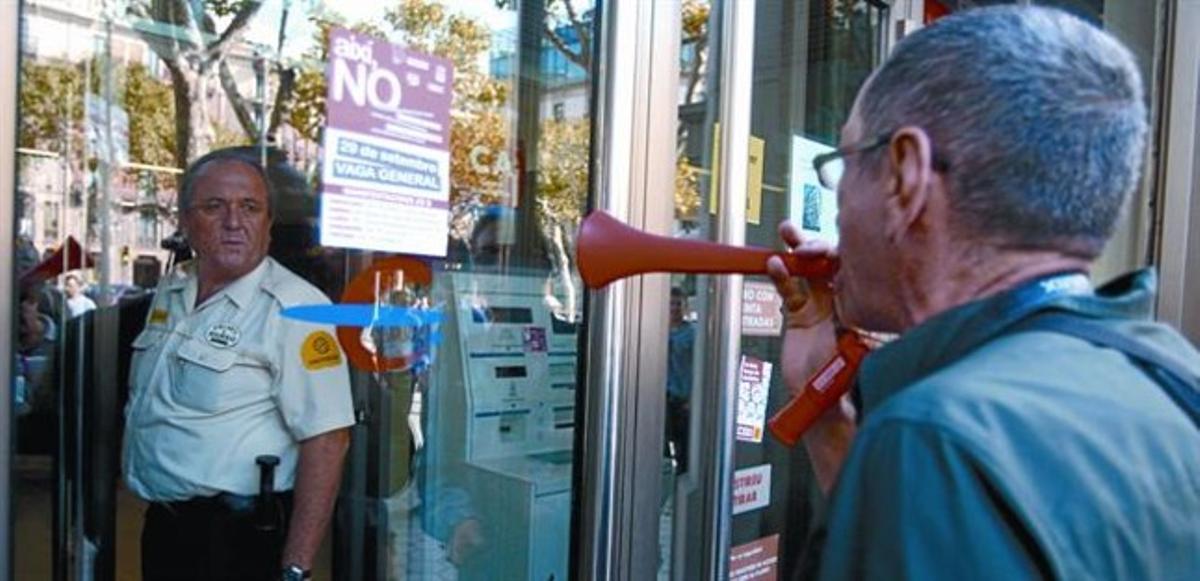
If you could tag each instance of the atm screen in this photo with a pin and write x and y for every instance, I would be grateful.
(510, 371)
(510, 315)
(561, 327)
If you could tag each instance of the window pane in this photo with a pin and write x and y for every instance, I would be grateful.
(461, 458)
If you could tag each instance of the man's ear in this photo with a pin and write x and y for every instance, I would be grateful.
(910, 154)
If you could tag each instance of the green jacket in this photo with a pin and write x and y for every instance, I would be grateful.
(984, 454)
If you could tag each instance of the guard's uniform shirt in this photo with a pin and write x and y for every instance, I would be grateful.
(215, 385)
(987, 454)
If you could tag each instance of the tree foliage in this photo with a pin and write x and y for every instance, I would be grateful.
(151, 108)
(51, 104)
(195, 39)
(184, 35)
(687, 189)
(563, 170)
(694, 22)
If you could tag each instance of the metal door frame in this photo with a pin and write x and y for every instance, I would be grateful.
(1177, 240)
(10, 14)
(619, 481)
(619, 442)
(725, 321)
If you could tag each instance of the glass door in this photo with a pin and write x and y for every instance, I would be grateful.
(810, 60)
(462, 464)
(806, 62)
(440, 226)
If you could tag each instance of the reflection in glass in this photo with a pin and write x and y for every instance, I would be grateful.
(118, 97)
(686, 351)
(479, 482)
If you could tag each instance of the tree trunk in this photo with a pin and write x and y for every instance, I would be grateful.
(192, 61)
(193, 128)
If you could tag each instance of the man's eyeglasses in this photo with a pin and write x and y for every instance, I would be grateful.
(830, 166)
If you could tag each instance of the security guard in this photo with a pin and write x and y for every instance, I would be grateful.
(220, 379)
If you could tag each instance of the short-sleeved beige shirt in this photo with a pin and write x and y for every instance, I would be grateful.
(214, 386)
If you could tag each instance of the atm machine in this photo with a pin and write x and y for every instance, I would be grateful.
(501, 421)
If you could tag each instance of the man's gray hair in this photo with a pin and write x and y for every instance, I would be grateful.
(276, 175)
(1039, 116)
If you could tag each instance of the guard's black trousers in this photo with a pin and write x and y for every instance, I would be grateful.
(210, 539)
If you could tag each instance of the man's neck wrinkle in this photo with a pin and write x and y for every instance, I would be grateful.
(976, 279)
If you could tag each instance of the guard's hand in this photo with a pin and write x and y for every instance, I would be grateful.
(810, 339)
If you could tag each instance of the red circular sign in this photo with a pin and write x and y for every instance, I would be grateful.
(385, 273)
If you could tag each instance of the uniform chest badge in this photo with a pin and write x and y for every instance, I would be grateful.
(223, 335)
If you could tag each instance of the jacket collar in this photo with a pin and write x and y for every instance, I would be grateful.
(952, 335)
(240, 291)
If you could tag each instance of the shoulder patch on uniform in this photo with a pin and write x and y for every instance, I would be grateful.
(320, 351)
(158, 317)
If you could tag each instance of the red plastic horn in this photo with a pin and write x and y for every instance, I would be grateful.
(822, 391)
(608, 250)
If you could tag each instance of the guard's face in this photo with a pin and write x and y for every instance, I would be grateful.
(228, 223)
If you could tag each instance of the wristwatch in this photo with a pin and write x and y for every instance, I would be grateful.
(295, 573)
